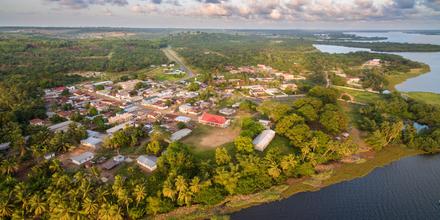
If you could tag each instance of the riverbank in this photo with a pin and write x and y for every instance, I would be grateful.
(397, 79)
(426, 97)
(341, 172)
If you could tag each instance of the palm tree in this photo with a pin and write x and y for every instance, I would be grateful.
(54, 166)
(62, 211)
(195, 185)
(9, 166)
(181, 185)
(123, 197)
(19, 193)
(274, 171)
(139, 193)
(5, 208)
(101, 195)
(185, 197)
(288, 162)
(109, 212)
(90, 207)
(168, 190)
(38, 205)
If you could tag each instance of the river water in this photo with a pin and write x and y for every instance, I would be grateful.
(406, 189)
(429, 82)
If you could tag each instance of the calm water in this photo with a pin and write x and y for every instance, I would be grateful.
(401, 37)
(407, 189)
(429, 82)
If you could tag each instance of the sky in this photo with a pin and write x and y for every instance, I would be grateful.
(224, 14)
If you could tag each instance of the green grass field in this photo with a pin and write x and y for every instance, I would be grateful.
(361, 96)
(426, 97)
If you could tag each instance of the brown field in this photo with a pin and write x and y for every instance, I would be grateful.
(210, 137)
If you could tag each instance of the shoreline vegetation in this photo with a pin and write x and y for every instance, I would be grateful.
(394, 80)
(386, 46)
(341, 172)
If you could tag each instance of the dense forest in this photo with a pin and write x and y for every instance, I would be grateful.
(48, 60)
(286, 54)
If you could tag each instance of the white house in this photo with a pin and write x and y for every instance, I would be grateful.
(183, 119)
(120, 118)
(227, 111)
(263, 139)
(82, 158)
(5, 146)
(178, 135)
(265, 123)
(92, 142)
(147, 161)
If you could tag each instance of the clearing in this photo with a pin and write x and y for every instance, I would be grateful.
(206, 137)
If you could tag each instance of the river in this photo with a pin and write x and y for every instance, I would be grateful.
(405, 189)
(429, 82)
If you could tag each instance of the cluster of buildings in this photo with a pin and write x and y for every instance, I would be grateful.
(260, 81)
(170, 105)
(266, 70)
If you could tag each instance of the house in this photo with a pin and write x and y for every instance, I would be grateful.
(63, 126)
(290, 86)
(116, 128)
(170, 117)
(183, 119)
(189, 109)
(120, 118)
(92, 142)
(147, 161)
(131, 109)
(155, 103)
(115, 161)
(263, 139)
(373, 63)
(227, 111)
(214, 120)
(36, 121)
(154, 115)
(122, 95)
(265, 123)
(129, 85)
(180, 134)
(5, 146)
(354, 82)
(82, 158)
(95, 134)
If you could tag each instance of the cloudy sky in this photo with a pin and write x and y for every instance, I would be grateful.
(279, 14)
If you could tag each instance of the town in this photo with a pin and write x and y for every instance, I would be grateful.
(194, 124)
(174, 108)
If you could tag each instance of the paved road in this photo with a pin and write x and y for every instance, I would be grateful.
(173, 56)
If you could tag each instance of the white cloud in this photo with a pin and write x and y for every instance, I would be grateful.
(277, 10)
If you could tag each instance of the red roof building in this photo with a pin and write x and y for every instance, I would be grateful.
(214, 120)
(36, 121)
(59, 89)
